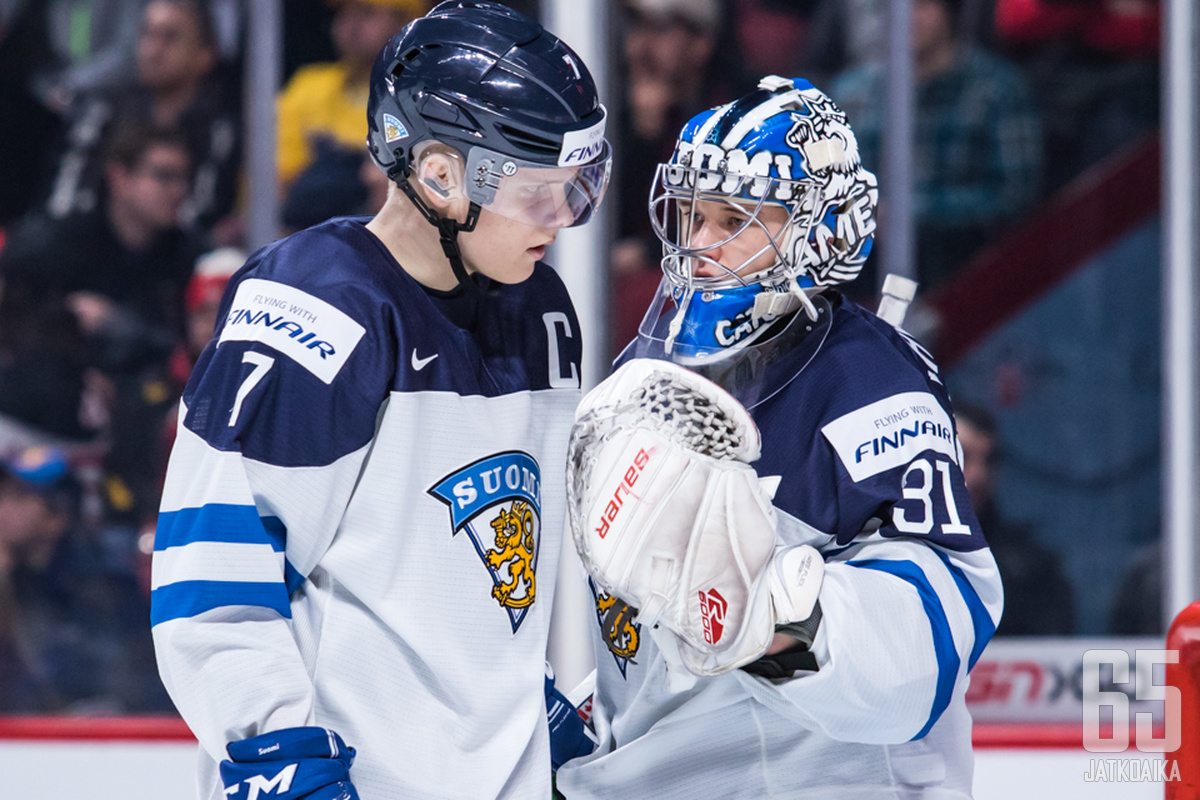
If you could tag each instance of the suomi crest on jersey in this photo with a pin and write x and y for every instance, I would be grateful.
(621, 633)
(497, 500)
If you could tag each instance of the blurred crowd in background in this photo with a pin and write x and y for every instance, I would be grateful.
(121, 190)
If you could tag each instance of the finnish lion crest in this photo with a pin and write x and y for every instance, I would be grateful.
(618, 628)
(497, 502)
(512, 558)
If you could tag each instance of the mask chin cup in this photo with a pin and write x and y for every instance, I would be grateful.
(698, 325)
(742, 367)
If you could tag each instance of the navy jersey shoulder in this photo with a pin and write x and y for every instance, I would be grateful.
(303, 354)
(317, 329)
(846, 432)
(865, 359)
(528, 336)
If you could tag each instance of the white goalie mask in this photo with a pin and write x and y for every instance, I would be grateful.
(781, 169)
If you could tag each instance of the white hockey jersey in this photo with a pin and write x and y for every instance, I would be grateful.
(857, 424)
(354, 532)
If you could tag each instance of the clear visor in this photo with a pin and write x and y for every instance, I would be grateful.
(747, 247)
(752, 373)
(537, 194)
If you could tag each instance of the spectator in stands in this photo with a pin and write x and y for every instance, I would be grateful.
(34, 515)
(177, 85)
(977, 150)
(121, 268)
(28, 128)
(1095, 63)
(77, 46)
(773, 38)
(202, 301)
(332, 186)
(328, 101)
(73, 632)
(849, 33)
(92, 307)
(669, 48)
(670, 72)
(1038, 599)
(42, 371)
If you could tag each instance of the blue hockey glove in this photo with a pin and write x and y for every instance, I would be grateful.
(568, 735)
(291, 764)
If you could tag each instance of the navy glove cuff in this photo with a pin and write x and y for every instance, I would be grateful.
(568, 734)
(290, 764)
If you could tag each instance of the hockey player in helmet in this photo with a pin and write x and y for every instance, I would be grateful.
(361, 523)
(764, 203)
(822, 649)
(479, 139)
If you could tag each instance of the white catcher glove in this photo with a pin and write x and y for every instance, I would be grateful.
(668, 515)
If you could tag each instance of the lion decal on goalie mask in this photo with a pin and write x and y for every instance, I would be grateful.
(497, 501)
(829, 153)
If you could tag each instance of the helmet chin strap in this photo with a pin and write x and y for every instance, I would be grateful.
(448, 230)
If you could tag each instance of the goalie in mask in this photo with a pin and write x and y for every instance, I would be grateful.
(791, 586)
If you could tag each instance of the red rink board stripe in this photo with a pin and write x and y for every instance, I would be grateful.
(173, 729)
(1065, 736)
(149, 728)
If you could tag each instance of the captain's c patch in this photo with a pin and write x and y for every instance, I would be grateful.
(497, 501)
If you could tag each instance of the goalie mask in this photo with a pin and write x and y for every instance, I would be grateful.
(764, 203)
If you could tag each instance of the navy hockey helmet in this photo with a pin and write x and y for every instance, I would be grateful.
(785, 145)
(512, 99)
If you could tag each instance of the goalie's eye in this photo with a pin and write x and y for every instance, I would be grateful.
(732, 221)
(690, 219)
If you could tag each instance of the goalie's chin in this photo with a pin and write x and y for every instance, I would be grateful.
(752, 368)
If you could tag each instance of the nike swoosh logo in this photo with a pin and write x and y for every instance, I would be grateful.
(419, 364)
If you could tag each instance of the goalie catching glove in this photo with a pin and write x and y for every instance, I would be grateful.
(668, 515)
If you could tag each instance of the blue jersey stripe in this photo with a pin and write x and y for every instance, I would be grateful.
(943, 640)
(218, 522)
(277, 532)
(981, 620)
(292, 578)
(189, 598)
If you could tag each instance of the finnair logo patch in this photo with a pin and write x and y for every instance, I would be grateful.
(306, 329)
(393, 128)
(891, 432)
(580, 147)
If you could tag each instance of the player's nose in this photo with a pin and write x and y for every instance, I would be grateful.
(705, 238)
(564, 217)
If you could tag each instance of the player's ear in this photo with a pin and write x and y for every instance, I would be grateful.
(439, 178)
